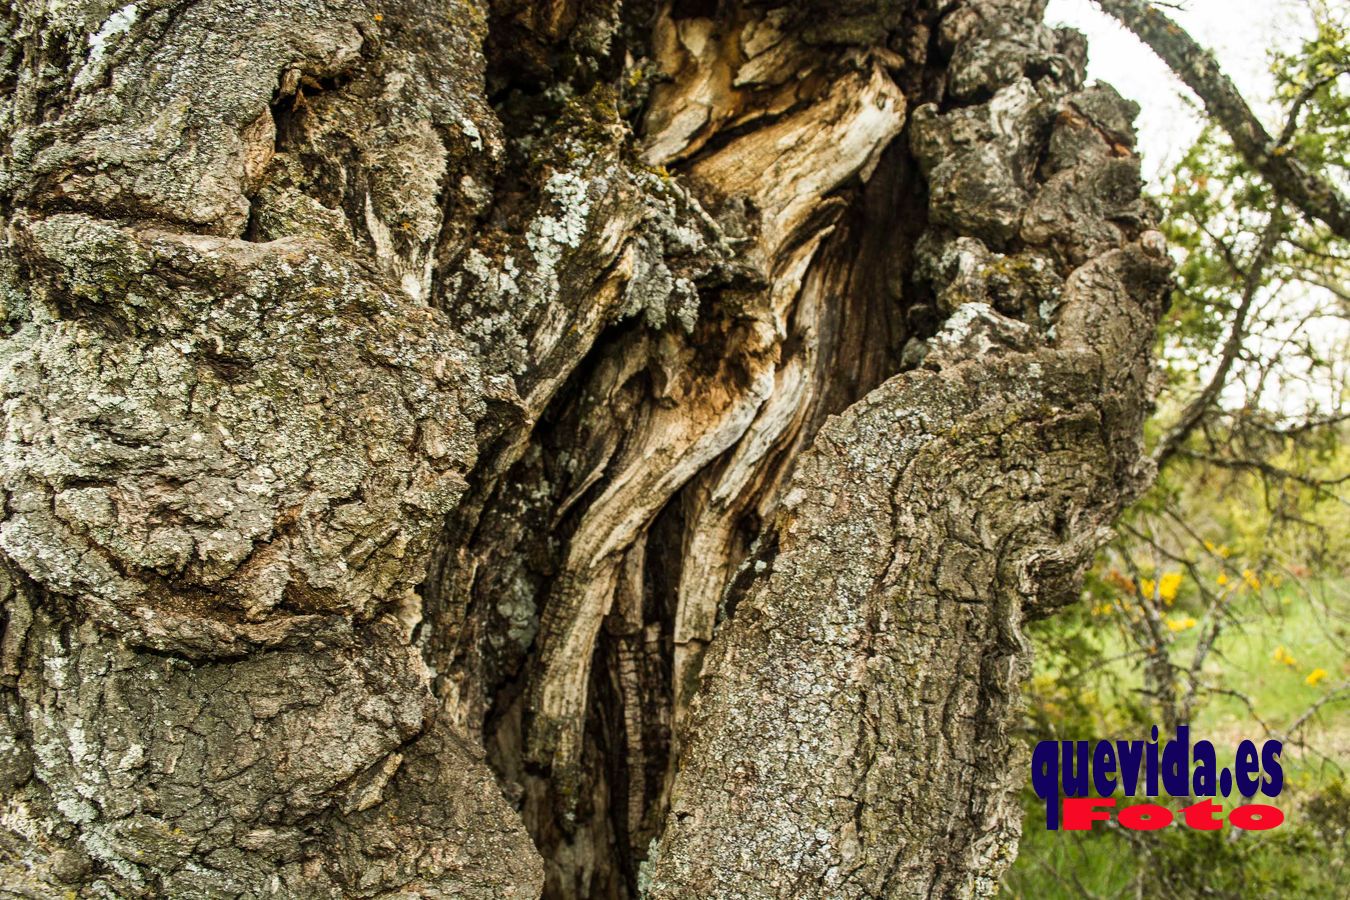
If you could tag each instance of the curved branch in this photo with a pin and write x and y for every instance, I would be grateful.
(1195, 410)
(1315, 196)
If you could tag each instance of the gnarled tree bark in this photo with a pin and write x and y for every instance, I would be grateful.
(568, 448)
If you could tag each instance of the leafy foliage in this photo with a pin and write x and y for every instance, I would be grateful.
(1245, 532)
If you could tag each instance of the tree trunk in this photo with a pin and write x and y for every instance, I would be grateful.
(464, 450)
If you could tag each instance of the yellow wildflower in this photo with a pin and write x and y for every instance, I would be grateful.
(1146, 587)
(1222, 579)
(1168, 586)
(1181, 624)
(1282, 656)
(1315, 676)
(1252, 581)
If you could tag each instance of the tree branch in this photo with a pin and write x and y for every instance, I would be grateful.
(1291, 123)
(1333, 695)
(1195, 410)
(1269, 470)
(1315, 196)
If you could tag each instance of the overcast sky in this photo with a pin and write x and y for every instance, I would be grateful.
(1241, 32)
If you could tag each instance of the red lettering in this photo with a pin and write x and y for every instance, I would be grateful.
(1080, 812)
(1255, 817)
(1145, 817)
(1202, 816)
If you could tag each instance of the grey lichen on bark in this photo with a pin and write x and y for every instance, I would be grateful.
(228, 447)
(539, 447)
(851, 738)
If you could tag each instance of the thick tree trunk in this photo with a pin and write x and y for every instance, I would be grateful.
(553, 446)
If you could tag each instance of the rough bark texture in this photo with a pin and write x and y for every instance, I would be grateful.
(543, 447)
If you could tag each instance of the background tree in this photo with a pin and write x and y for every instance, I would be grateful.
(1236, 560)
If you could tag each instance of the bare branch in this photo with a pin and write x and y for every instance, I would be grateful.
(1332, 695)
(1291, 123)
(1267, 469)
(1315, 196)
(1196, 409)
(1300, 427)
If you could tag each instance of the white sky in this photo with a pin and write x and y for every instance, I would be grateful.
(1240, 32)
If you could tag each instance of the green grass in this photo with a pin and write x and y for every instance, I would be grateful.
(1308, 633)
(1307, 856)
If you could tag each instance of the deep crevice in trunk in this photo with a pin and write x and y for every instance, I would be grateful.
(867, 306)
